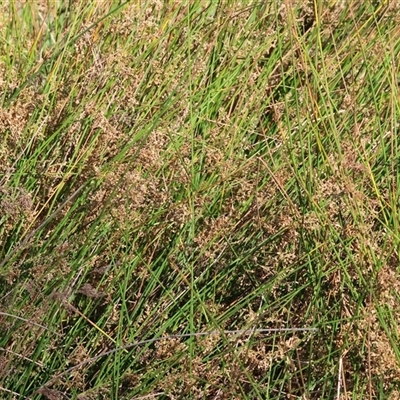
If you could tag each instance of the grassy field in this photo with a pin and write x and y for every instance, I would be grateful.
(199, 200)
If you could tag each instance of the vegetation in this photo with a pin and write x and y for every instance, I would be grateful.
(199, 200)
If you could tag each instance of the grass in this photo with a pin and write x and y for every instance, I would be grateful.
(199, 200)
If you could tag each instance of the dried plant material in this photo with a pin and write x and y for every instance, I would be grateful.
(51, 394)
(89, 291)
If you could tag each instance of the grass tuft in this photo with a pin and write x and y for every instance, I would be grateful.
(199, 200)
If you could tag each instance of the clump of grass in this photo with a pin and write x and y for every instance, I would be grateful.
(187, 189)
